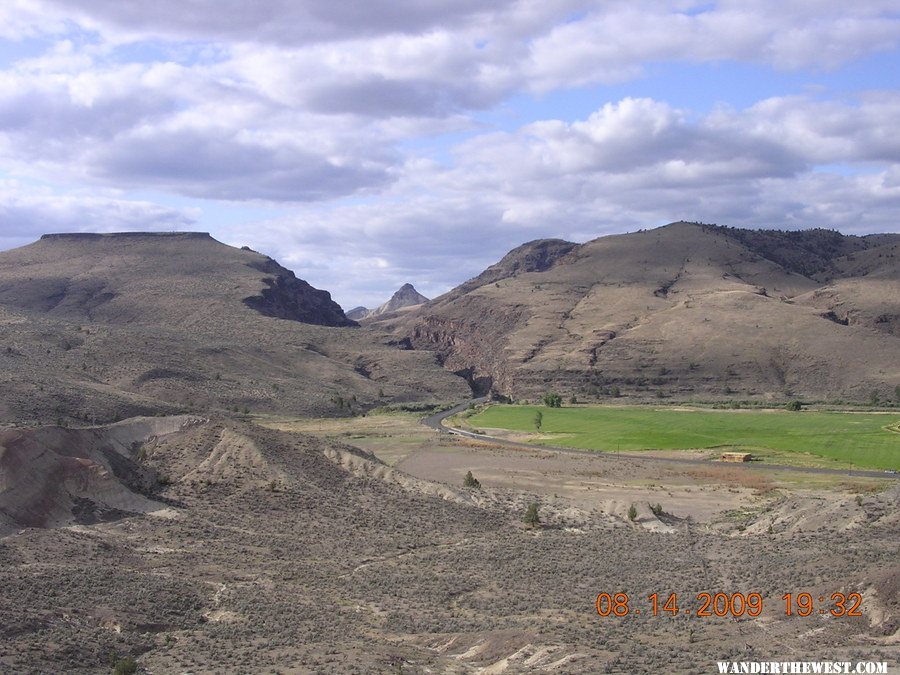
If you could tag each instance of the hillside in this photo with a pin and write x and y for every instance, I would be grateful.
(102, 327)
(202, 545)
(177, 279)
(681, 311)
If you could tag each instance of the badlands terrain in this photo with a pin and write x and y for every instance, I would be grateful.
(259, 550)
(205, 466)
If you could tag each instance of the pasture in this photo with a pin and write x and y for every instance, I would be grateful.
(845, 438)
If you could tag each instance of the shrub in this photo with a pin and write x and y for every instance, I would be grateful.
(632, 513)
(470, 481)
(794, 405)
(125, 666)
(531, 516)
(552, 400)
(573, 400)
(538, 420)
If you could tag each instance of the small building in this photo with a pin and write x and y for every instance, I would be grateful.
(735, 457)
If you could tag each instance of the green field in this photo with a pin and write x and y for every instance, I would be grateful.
(842, 439)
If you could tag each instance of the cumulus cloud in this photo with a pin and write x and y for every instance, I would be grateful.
(343, 113)
(414, 58)
(635, 163)
(196, 132)
(27, 212)
(287, 22)
(615, 41)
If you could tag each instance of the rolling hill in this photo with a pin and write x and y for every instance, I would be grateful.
(686, 310)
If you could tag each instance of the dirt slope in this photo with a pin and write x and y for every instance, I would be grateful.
(683, 310)
(50, 476)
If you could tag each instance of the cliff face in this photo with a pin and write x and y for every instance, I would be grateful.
(471, 342)
(534, 256)
(288, 297)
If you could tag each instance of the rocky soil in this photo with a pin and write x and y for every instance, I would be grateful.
(281, 552)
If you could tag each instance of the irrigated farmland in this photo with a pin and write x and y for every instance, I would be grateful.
(848, 438)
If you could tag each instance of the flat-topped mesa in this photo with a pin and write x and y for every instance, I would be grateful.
(125, 235)
(163, 278)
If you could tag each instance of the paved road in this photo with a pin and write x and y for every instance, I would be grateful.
(437, 422)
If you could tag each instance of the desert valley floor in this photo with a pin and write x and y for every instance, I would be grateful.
(265, 549)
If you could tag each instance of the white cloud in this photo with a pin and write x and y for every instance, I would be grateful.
(636, 163)
(337, 110)
(286, 22)
(194, 132)
(614, 42)
(26, 212)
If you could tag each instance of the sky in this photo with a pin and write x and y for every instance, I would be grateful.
(369, 143)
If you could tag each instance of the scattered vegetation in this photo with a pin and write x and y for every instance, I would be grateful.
(532, 519)
(410, 407)
(471, 482)
(552, 400)
(125, 666)
(632, 513)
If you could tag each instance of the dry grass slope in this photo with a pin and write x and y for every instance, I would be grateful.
(98, 328)
(682, 311)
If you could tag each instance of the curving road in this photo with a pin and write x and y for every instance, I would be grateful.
(436, 422)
